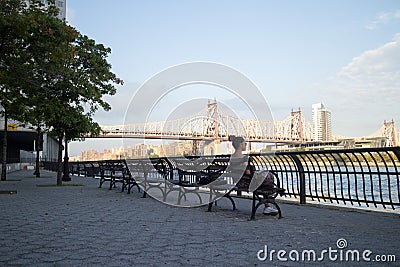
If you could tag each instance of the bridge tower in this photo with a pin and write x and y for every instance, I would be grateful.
(212, 127)
(195, 147)
(296, 126)
(212, 119)
(391, 133)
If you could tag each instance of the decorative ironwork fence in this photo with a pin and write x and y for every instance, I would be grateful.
(357, 177)
(351, 176)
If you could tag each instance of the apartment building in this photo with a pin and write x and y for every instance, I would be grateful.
(322, 123)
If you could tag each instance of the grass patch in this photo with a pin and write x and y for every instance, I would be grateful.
(56, 185)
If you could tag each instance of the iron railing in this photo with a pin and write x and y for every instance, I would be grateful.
(357, 177)
(352, 176)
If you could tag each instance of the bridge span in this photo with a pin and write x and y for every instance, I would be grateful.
(213, 124)
(216, 124)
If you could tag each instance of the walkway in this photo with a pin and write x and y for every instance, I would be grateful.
(87, 226)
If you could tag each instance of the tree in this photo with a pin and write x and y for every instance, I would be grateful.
(75, 82)
(80, 126)
(13, 63)
(66, 73)
(84, 79)
(32, 38)
(71, 124)
(47, 40)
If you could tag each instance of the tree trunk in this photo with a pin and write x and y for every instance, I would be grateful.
(37, 148)
(66, 164)
(4, 158)
(59, 161)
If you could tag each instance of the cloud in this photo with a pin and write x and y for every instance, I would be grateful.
(366, 91)
(375, 73)
(383, 18)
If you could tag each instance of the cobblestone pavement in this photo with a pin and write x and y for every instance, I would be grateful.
(87, 226)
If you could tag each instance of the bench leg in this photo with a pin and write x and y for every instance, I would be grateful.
(232, 201)
(260, 202)
(111, 184)
(183, 195)
(278, 208)
(138, 187)
(210, 206)
(228, 197)
(279, 211)
(132, 184)
(253, 208)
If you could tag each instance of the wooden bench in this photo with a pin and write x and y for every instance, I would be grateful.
(194, 175)
(92, 169)
(129, 180)
(84, 168)
(189, 174)
(261, 195)
(149, 174)
(114, 171)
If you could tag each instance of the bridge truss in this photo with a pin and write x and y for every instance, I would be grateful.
(215, 124)
(390, 131)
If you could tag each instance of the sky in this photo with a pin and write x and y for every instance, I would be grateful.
(342, 53)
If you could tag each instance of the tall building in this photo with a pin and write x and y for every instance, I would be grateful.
(62, 6)
(322, 124)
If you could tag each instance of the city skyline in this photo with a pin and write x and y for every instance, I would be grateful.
(137, 151)
(344, 54)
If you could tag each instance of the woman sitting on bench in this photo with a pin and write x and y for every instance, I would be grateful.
(239, 144)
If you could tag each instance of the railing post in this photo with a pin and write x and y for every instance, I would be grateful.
(396, 151)
(301, 177)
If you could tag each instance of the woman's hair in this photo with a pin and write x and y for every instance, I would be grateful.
(236, 140)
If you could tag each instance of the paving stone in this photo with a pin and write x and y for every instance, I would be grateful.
(88, 226)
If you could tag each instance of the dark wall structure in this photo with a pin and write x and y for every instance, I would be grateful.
(25, 141)
(16, 141)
